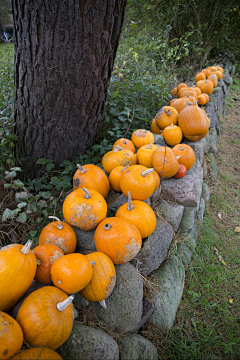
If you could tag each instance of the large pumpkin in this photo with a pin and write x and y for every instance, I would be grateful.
(185, 154)
(60, 234)
(11, 336)
(119, 239)
(193, 123)
(91, 176)
(84, 208)
(37, 354)
(46, 317)
(140, 214)
(117, 157)
(165, 162)
(103, 280)
(17, 270)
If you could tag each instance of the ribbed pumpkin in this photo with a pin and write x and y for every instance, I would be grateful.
(46, 254)
(60, 234)
(84, 208)
(219, 74)
(206, 72)
(213, 78)
(186, 153)
(206, 86)
(142, 137)
(117, 157)
(139, 180)
(155, 129)
(165, 162)
(115, 176)
(46, 317)
(72, 272)
(91, 176)
(37, 354)
(103, 280)
(219, 68)
(172, 135)
(200, 76)
(118, 238)
(17, 270)
(193, 123)
(197, 90)
(166, 116)
(202, 99)
(145, 154)
(180, 86)
(140, 214)
(125, 144)
(212, 68)
(189, 91)
(180, 104)
(11, 336)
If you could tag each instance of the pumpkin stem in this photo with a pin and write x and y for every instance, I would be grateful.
(188, 104)
(125, 142)
(130, 204)
(92, 262)
(171, 125)
(125, 168)
(168, 112)
(182, 148)
(60, 226)
(103, 304)
(187, 94)
(150, 145)
(117, 148)
(38, 262)
(62, 305)
(107, 227)
(87, 193)
(178, 157)
(26, 248)
(82, 170)
(144, 173)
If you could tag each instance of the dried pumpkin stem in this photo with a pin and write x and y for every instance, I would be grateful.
(38, 262)
(107, 227)
(87, 193)
(181, 148)
(144, 173)
(26, 248)
(150, 145)
(59, 226)
(92, 262)
(103, 304)
(62, 305)
(125, 168)
(130, 204)
(178, 157)
(82, 170)
(117, 148)
(168, 112)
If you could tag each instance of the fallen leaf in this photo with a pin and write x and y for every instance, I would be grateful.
(231, 301)
(237, 229)
(216, 250)
(222, 261)
(219, 215)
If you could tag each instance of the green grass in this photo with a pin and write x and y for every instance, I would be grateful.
(7, 53)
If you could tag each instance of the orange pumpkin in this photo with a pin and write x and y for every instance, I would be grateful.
(140, 214)
(180, 103)
(212, 68)
(142, 137)
(103, 280)
(91, 176)
(139, 180)
(213, 78)
(125, 144)
(117, 157)
(172, 135)
(11, 339)
(180, 86)
(201, 99)
(119, 239)
(115, 176)
(188, 92)
(84, 208)
(46, 254)
(46, 317)
(37, 354)
(185, 155)
(72, 272)
(206, 86)
(206, 72)
(200, 76)
(145, 154)
(193, 123)
(219, 68)
(155, 129)
(17, 270)
(60, 234)
(219, 74)
(166, 116)
(165, 162)
(173, 91)
(197, 90)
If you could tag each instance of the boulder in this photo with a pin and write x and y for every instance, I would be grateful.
(213, 141)
(206, 144)
(213, 116)
(88, 343)
(85, 239)
(188, 218)
(125, 304)
(197, 173)
(183, 190)
(154, 249)
(205, 191)
(136, 347)
(214, 167)
(227, 78)
(205, 168)
(159, 140)
(148, 309)
(218, 94)
(201, 210)
(172, 213)
(198, 148)
(79, 300)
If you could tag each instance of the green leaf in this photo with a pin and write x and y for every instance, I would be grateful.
(43, 161)
(50, 166)
(22, 217)
(21, 205)
(33, 233)
(45, 194)
(7, 214)
(18, 183)
(115, 94)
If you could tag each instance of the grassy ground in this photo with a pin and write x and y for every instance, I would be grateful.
(7, 52)
(207, 325)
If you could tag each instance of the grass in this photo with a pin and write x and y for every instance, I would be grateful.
(7, 53)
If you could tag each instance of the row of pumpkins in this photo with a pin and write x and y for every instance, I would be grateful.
(45, 318)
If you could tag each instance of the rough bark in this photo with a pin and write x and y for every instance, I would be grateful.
(64, 55)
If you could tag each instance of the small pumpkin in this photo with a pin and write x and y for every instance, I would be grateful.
(181, 172)
(206, 86)
(219, 74)
(84, 208)
(200, 76)
(145, 154)
(18, 268)
(115, 176)
(142, 137)
(103, 280)
(186, 92)
(206, 72)
(46, 317)
(119, 239)
(201, 99)
(212, 68)
(140, 214)
(213, 78)
(37, 354)
(219, 68)
(173, 91)
(72, 272)
(11, 338)
(117, 157)
(193, 123)
(165, 162)
(60, 234)
(180, 104)
(180, 86)
(166, 116)
(91, 176)
(125, 144)
(172, 135)
(46, 254)
(185, 155)
(155, 129)
(139, 180)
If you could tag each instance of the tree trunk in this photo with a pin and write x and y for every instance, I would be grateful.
(64, 56)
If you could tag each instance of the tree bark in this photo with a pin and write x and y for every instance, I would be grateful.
(64, 56)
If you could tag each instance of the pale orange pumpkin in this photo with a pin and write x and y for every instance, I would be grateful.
(219, 68)
(165, 162)
(173, 91)
(180, 86)
(184, 154)
(37, 354)
(200, 76)
(206, 72)
(219, 74)
(213, 78)
(157, 179)
(201, 99)
(142, 137)
(11, 338)
(186, 92)
(193, 123)
(180, 103)
(119, 239)
(206, 86)
(145, 154)
(166, 116)
(117, 157)
(115, 176)
(172, 135)
(155, 129)
(125, 144)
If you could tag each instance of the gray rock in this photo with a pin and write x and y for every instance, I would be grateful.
(136, 347)
(205, 168)
(170, 277)
(213, 116)
(75, 312)
(190, 237)
(218, 94)
(214, 167)
(88, 343)
(185, 253)
(201, 210)
(206, 144)
(154, 249)
(159, 140)
(227, 78)
(172, 213)
(222, 84)
(198, 148)
(183, 190)
(213, 141)
(80, 301)
(197, 174)
(125, 304)
(188, 218)
(206, 192)
(156, 194)
(148, 308)
(85, 239)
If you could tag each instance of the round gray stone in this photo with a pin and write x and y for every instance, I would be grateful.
(136, 347)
